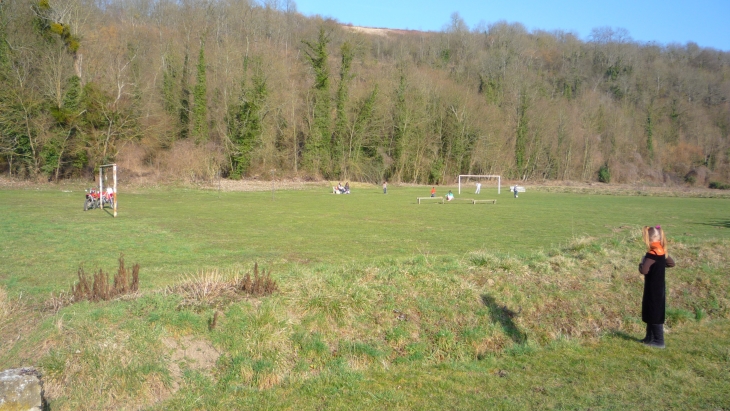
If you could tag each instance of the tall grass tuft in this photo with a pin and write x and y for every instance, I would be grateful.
(6, 305)
(203, 288)
(211, 288)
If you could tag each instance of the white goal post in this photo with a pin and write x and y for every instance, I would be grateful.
(114, 187)
(498, 177)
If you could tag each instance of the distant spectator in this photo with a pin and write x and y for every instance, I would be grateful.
(433, 191)
(479, 188)
(385, 187)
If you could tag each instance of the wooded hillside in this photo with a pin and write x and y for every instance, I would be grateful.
(192, 89)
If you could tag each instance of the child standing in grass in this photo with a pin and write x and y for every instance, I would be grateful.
(652, 267)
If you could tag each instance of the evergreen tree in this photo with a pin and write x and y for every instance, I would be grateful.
(649, 130)
(362, 125)
(4, 49)
(245, 123)
(184, 113)
(341, 121)
(169, 85)
(521, 140)
(490, 88)
(400, 116)
(72, 98)
(317, 155)
(200, 100)
(674, 122)
(136, 73)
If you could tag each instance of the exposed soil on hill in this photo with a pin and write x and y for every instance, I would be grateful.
(380, 31)
(189, 352)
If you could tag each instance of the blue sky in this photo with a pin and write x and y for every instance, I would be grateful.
(705, 22)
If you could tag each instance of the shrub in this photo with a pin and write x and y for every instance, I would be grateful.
(604, 174)
(719, 186)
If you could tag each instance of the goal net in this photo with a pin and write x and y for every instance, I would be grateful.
(476, 181)
(108, 186)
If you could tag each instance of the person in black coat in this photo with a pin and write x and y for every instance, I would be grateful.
(653, 304)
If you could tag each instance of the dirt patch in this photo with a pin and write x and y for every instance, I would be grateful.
(381, 31)
(637, 189)
(192, 353)
(279, 184)
(263, 185)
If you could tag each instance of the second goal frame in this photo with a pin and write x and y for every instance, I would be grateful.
(498, 177)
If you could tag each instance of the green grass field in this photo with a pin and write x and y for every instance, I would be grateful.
(383, 303)
(46, 236)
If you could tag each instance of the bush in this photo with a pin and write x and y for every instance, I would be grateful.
(719, 186)
(604, 174)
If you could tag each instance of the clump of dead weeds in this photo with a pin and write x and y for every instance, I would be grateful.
(124, 282)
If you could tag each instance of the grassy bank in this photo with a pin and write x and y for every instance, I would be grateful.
(613, 373)
(343, 331)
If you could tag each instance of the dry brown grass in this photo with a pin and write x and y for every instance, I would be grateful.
(186, 161)
(203, 289)
(182, 161)
(101, 371)
(7, 306)
(638, 188)
(211, 288)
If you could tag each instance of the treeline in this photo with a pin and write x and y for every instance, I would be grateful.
(200, 89)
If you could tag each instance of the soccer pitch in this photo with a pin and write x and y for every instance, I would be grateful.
(47, 236)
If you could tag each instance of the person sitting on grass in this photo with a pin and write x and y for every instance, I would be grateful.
(339, 189)
(449, 196)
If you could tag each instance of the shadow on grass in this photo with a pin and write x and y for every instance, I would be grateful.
(622, 335)
(717, 223)
(504, 316)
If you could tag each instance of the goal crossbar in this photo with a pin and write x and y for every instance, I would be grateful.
(498, 177)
